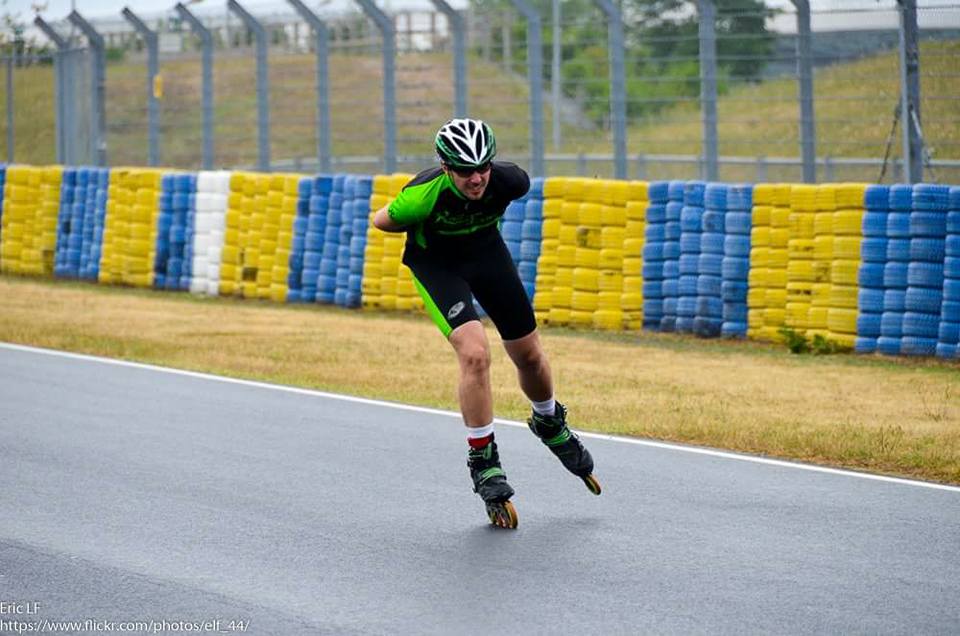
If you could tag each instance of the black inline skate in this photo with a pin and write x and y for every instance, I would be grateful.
(490, 482)
(564, 443)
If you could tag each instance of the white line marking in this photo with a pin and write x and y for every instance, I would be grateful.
(421, 409)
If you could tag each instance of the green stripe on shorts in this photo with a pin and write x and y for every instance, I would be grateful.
(432, 310)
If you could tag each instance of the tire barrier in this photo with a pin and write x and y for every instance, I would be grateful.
(736, 260)
(209, 226)
(31, 207)
(868, 268)
(948, 335)
(671, 255)
(652, 256)
(873, 253)
(387, 283)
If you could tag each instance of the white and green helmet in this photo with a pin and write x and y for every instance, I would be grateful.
(465, 143)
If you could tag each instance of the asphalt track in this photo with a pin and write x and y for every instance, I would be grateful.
(134, 493)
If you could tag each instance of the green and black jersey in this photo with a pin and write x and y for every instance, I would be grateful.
(433, 208)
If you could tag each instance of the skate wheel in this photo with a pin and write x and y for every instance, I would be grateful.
(592, 484)
(502, 515)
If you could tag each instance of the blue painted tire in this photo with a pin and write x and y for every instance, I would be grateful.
(891, 324)
(874, 250)
(949, 332)
(868, 325)
(687, 286)
(929, 224)
(671, 231)
(693, 193)
(652, 311)
(689, 264)
(930, 250)
(656, 214)
(670, 287)
(653, 251)
(706, 327)
(895, 300)
(673, 211)
(870, 300)
(656, 233)
(709, 286)
(691, 219)
(652, 290)
(898, 225)
(671, 250)
(684, 324)
(735, 312)
(877, 197)
(686, 307)
(871, 274)
(739, 197)
(921, 325)
(308, 278)
(529, 250)
(951, 246)
(925, 275)
(914, 346)
(690, 243)
(734, 290)
(946, 351)
(931, 196)
(712, 243)
(895, 275)
(923, 300)
(711, 264)
(733, 329)
(901, 197)
(675, 190)
(738, 223)
(514, 212)
(736, 245)
(527, 271)
(888, 346)
(511, 231)
(659, 191)
(671, 269)
(715, 196)
(875, 224)
(951, 267)
(668, 324)
(898, 250)
(735, 268)
(531, 230)
(951, 289)
(328, 266)
(712, 222)
(865, 345)
(953, 220)
(652, 270)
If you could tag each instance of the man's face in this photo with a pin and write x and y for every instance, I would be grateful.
(471, 182)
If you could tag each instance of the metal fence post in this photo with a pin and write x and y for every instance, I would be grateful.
(808, 137)
(555, 73)
(206, 41)
(910, 91)
(459, 57)
(10, 109)
(263, 85)
(708, 86)
(58, 93)
(388, 33)
(153, 108)
(98, 123)
(535, 77)
(323, 83)
(618, 86)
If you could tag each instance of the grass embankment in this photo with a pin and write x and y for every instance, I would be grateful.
(892, 416)
(854, 105)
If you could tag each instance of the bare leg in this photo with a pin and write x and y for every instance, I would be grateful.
(469, 340)
(533, 369)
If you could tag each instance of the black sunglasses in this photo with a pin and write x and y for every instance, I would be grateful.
(468, 172)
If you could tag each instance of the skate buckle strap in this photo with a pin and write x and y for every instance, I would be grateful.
(491, 472)
(559, 439)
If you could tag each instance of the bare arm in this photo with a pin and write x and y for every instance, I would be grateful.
(382, 221)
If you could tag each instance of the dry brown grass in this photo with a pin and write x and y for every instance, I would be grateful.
(892, 416)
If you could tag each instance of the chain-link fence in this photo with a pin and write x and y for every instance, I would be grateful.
(736, 90)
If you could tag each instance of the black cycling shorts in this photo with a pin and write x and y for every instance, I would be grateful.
(477, 265)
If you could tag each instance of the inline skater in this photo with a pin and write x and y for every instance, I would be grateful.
(454, 249)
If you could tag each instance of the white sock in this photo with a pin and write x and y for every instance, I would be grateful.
(547, 407)
(480, 432)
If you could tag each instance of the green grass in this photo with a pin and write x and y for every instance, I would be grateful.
(854, 109)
